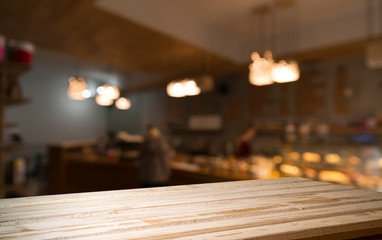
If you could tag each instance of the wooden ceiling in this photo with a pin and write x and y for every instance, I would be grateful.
(80, 29)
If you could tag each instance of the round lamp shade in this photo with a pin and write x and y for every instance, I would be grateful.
(123, 103)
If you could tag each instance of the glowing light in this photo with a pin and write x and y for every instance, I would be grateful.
(112, 92)
(190, 88)
(76, 86)
(277, 159)
(355, 160)
(103, 100)
(123, 103)
(310, 173)
(175, 89)
(182, 88)
(260, 69)
(311, 157)
(290, 170)
(332, 158)
(283, 72)
(101, 90)
(109, 91)
(295, 156)
(333, 176)
(86, 93)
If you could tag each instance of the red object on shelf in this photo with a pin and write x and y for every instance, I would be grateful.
(24, 53)
(2, 47)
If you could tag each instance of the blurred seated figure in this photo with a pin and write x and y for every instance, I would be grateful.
(243, 146)
(155, 159)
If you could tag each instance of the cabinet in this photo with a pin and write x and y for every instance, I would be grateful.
(10, 95)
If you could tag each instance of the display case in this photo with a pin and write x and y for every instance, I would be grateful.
(358, 165)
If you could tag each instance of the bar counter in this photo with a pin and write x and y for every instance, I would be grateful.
(79, 171)
(285, 208)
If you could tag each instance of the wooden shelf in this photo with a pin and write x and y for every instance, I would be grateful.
(10, 95)
(12, 147)
(345, 131)
(188, 130)
(15, 102)
(13, 67)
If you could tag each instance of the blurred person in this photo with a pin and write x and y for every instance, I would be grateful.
(243, 145)
(155, 159)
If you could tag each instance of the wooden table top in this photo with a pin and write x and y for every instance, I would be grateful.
(285, 208)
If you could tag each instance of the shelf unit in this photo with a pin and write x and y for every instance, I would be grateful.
(8, 70)
(186, 130)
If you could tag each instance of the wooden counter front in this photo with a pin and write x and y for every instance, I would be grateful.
(286, 208)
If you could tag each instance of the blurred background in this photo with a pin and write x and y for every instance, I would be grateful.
(314, 104)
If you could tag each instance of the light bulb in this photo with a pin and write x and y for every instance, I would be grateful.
(123, 103)
(101, 89)
(103, 100)
(76, 86)
(260, 69)
(86, 93)
(175, 89)
(190, 88)
(283, 72)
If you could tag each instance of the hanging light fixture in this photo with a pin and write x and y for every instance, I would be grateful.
(260, 69)
(182, 88)
(109, 91)
(106, 94)
(86, 93)
(123, 103)
(190, 88)
(77, 89)
(175, 89)
(283, 72)
(265, 71)
(286, 71)
(103, 100)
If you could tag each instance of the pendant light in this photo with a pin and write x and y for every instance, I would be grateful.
(183, 88)
(77, 88)
(286, 71)
(103, 100)
(123, 103)
(265, 71)
(260, 69)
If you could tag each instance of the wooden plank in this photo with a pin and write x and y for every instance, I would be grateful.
(256, 209)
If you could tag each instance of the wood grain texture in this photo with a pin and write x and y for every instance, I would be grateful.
(257, 209)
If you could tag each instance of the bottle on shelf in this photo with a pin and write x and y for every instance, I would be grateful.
(19, 171)
(2, 47)
(290, 132)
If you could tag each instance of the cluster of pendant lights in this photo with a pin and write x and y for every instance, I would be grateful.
(183, 88)
(264, 71)
(276, 19)
(106, 94)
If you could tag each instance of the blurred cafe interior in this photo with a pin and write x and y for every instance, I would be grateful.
(82, 80)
